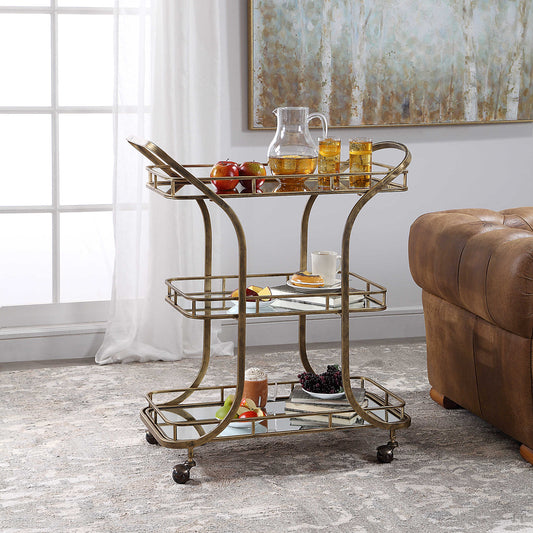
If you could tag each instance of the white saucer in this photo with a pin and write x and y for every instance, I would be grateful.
(324, 288)
(245, 428)
(241, 424)
(321, 396)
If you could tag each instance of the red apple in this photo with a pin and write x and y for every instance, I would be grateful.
(224, 169)
(251, 168)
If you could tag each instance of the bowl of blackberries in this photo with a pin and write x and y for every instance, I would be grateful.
(325, 386)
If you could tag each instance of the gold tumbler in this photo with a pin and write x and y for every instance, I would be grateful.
(329, 160)
(360, 161)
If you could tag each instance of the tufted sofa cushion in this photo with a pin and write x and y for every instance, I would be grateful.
(479, 260)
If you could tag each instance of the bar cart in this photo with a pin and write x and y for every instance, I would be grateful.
(184, 418)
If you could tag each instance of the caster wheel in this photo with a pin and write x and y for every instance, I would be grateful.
(150, 438)
(182, 473)
(385, 453)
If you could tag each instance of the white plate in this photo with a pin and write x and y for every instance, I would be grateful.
(242, 425)
(250, 308)
(324, 288)
(232, 429)
(335, 396)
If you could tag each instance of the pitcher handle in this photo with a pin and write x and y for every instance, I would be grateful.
(323, 120)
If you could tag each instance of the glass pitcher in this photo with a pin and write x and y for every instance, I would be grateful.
(292, 150)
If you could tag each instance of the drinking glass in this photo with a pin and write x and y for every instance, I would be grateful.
(360, 161)
(329, 159)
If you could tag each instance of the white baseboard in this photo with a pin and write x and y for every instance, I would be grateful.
(71, 341)
(82, 340)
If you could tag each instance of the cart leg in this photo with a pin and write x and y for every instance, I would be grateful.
(181, 473)
(304, 233)
(303, 344)
(385, 453)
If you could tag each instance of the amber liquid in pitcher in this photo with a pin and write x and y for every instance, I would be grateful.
(290, 164)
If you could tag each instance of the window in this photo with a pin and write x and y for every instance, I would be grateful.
(56, 134)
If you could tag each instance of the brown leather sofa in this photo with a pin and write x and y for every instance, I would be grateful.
(475, 267)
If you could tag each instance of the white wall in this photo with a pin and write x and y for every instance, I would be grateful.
(456, 166)
(453, 166)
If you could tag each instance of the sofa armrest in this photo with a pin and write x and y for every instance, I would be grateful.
(479, 260)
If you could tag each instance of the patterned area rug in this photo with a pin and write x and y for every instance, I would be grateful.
(73, 458)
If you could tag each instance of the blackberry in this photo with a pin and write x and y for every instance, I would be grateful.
(329, 382)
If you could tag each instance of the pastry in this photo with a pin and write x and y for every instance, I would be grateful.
(306, 279)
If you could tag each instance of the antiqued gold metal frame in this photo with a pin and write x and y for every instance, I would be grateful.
(175, 181)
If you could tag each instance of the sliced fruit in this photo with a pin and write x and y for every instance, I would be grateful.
(249, 294)
(251, 404)
(248, 414)
(224, 410)
(248, 402)
(229, 399)
(242, 409)
(266, 292)
(253, 290)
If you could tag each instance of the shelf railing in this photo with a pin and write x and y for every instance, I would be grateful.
(187, 295)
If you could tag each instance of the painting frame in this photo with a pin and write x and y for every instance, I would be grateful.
(464, 107)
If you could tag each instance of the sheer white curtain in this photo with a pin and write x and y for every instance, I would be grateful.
(168, 60)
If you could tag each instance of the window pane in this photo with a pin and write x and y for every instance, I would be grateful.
(85, 60)
(26, 138)
(25, 60)
(26, 259)
(133, 83)
(25, 3)
(86, 3)
(86, 256)
(102, 3)
(85, 158)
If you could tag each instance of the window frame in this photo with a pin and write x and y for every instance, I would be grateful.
(56, 312)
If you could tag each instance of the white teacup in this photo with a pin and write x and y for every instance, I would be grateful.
(325, 264)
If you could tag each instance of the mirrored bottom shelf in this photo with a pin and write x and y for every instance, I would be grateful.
(179, 426)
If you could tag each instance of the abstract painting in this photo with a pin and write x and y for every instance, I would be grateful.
(392, 62)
